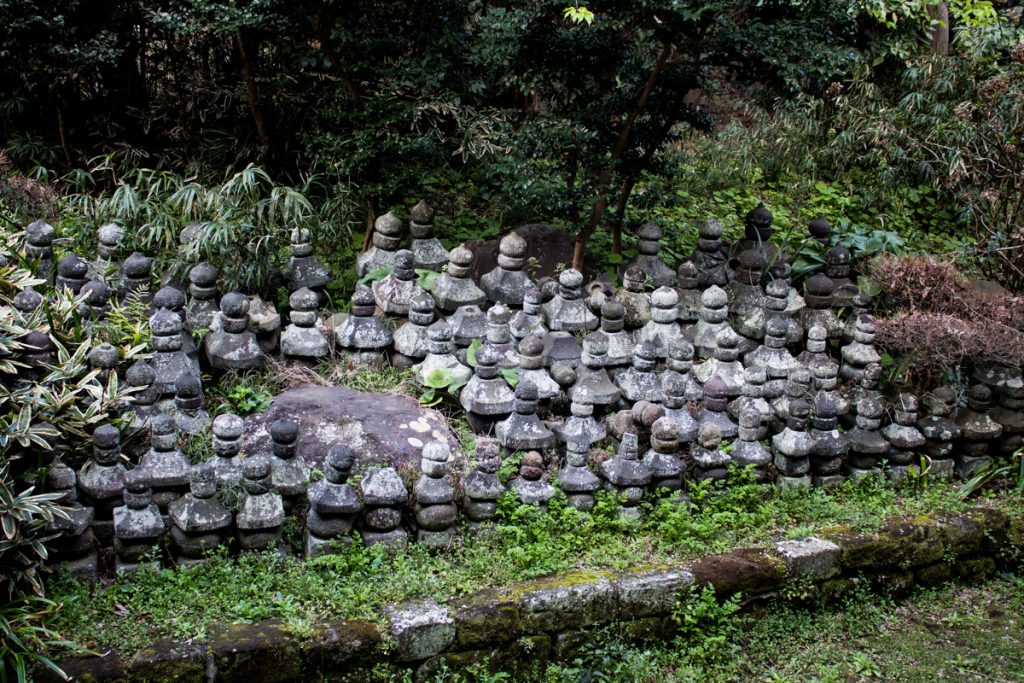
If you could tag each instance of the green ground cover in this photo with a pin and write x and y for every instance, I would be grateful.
(186, 602)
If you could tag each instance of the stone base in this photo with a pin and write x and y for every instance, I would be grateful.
(397, 538)
(967, 466)
(316, 546)
(942, 468)
(436, 540)
(856, 474)
(82, 568)
(402, 361)
(132, 567)
(898, 474)
(792, 483)
(828, 480)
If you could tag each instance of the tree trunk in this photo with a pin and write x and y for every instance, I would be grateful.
(620, 210)
(371, 216)
(245, 51)
(940, 31)
(605, 179)
(62, 130)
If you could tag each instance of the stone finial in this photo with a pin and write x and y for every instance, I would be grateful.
(383, 494)
(523, 430)
(362, 335)
(233, 346)
(627, 475)
(302, 339)
(529, 486)
(507, 282)
(227, 443)
(394, 292)
(261, 518)
(72, 273)
(663, 459)
(333, 504)
(647, 258)
(636, 304)
(201, 310)
(189, 415)
(435, 510)
(387, 238)
(482, 488)
(486, 397)
(138, 525)
(455, 288)
(819, 229)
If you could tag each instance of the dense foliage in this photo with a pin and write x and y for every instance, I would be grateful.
(538, 116)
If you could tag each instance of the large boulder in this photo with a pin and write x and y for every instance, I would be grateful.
(548, 244)
(382, 429)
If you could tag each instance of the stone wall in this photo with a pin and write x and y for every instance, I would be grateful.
(525, 625)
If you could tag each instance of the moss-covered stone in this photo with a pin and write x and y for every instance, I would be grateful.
(256, 653)
(340, 646)
(563, 602)
(750, 571)
(963, 534)
(975, 568)
(524, 659)
(896, 582)
(168, 660)
(649, 592)
(88, 669)
(904, 542)
(919, 540)
(569, 644)
(837, 588)
(934, 574)
(420, 629)
(485, 618)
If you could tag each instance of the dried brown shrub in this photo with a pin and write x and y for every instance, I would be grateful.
(941, 321)
(23, 195)
(937, 341)
(918, 282)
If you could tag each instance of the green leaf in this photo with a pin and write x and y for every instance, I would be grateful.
(579, 15)
(376, 274)
(426, 279)
(511, 375)
(471, 352)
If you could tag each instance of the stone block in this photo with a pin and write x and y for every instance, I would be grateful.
(933, 575)
(523, 660)
(648, 593)
(420, 630)
(339, 646)
(749, 571)
(810, 556)
(256, 653)
(963, 534)
(975, 568)
(903, 542)
(105, 667)
(168, 660)
(566, 601)
(486, 618)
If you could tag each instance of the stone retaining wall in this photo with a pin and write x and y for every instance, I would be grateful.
(522, 626)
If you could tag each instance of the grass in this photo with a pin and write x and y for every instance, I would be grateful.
(186, 602)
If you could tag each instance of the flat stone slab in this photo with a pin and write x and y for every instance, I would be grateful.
(421, 629)
(652, 592)
(810, 557)
(382, 429)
